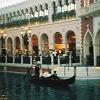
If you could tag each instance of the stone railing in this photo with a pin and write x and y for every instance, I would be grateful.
(92, 9)
(48, 60)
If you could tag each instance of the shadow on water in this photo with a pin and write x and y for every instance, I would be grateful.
(13, 86)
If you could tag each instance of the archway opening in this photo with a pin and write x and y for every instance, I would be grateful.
(35, 45)
(97, 48)
(9, 46)
(17, 46)
(58, 42)
(88, 50)
(26, 44)
(71, 43)
(44, 44)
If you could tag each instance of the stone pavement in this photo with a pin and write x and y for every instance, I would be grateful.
(81, 72)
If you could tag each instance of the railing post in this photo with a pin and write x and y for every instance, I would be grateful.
(70, 60)
(21, 59)
(5, 67)
(58, 60)
(41, 60)
(52, 61)
(13, 59)
(30, 59)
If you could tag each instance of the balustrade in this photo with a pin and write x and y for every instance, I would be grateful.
(45, 59)
(98, 60)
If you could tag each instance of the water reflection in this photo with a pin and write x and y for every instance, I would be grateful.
(13, 86)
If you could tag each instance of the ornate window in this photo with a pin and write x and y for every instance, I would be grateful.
(59, 7)
(36, 14)
(54, 7)
(64, 8)
(41, 13)
(46, 9)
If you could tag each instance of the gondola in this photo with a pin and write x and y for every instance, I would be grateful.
(48, 81)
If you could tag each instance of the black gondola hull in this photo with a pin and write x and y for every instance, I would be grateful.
(53, 82)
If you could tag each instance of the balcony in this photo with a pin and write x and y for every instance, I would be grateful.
(91, 10)
(21, 22)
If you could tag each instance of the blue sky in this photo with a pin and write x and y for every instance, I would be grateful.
(4, 3)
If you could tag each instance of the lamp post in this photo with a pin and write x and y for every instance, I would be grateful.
(22, 47)
(26, 37)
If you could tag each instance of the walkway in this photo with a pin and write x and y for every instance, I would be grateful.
(81, 72)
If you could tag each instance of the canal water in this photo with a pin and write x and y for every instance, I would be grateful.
(14, 87)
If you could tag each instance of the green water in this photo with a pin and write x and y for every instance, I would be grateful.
(14, 87)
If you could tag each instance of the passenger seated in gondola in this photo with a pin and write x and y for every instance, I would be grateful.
(54, 75)
(45, 74)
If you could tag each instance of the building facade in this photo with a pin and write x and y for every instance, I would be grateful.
(90, 15)
(37, 28)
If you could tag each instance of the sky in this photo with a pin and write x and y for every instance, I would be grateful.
(4, 3)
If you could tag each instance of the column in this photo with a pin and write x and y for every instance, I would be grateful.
(40, 49)
(52, 62)
(22, 48)
(14, 51)
(6, 49)
(95, 55)
(63, 41)
(58, 60)
(30, 49)
(51, 40)
(0, 45)
(30, 45)
(5, 67)
(70, 60)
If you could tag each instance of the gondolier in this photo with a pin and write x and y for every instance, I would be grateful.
(37, 71)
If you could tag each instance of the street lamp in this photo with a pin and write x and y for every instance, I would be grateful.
(3, 34)
(26, 36)
(27, 31)
(22, 32)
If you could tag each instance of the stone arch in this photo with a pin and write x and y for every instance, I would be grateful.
(44, 44)
(87, 42)
(9, 46)
(58, 46)
(35, 47)
(88, 48)
(97, 47)
(17, 45)
(70, 45)
(70, 41)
